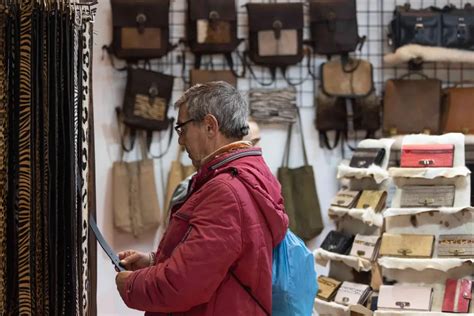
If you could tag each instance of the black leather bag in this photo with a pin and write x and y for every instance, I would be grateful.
(212, 28)
(334, 26)
(364, 157)
(338, 242)
(140, 29)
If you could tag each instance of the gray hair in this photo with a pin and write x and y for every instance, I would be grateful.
(221, 100)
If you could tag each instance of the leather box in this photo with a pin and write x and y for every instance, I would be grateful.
(412, 106)
(345, 198)
(457, 296)
(337, 242)
(427, 196)
(351, 293)
(459, 110)
(427, 155)
(407, 245)
(327, 287)
(364, 246)
(372, 198)
(364, 157)
(456, 246)
(402, 297)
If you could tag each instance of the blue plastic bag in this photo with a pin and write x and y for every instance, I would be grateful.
(294, 282)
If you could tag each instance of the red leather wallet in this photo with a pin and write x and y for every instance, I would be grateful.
(427, 155)
(457, 295)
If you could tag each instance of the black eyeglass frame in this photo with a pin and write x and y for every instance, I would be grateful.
(179, 127)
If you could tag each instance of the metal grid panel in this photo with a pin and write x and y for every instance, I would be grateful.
(373, 18)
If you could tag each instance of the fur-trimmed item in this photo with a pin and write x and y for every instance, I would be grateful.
(428, 53)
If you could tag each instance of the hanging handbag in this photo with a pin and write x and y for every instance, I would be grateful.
(366, 112)
(412, 106)
(334, 26)
(135, 202)
(140, 29)
(146, 100)
(275, 33)
(458, 110)
(299, 193)
(273, 105)
(212, 28)
(331, 115)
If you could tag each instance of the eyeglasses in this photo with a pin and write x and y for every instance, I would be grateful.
(179, 127)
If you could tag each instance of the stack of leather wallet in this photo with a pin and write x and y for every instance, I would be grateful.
(327, 288)
(407, 245)
(457, 296)
(338, 242)
(364, 157)
(351, 293)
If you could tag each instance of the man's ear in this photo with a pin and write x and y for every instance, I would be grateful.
(211, 124)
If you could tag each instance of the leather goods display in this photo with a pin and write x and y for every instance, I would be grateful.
(351, 293)
(146, 100)
(458, 110)
(406, 245)
(365, 246)
(212, 26)
(301, 201)
(457, 296)
(203, 76)
(366, 113)
(412, 106)
(374, 199)
(346, 198)
(338, 242)
(404, 297)
(347, 77)
(446, 27)
(427, 196)
(333, 26)
(140, 28)
(275, 33)
(427, 155)
(364, 157)
(327, 287)
(456, 246)
(331, 115)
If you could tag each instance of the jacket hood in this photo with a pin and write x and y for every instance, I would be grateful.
(248, 166)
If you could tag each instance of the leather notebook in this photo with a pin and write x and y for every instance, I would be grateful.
(456, 245)
(337, 242)
(407, 245)
(351, 293)
(457, 296)
(402, 297)
(364, 157)
(346, 198)
(372, 198)
(327, 287)
(427, 196)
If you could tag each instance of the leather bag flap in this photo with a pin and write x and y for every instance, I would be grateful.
(271, 16)
(208, 9)
(151, 13)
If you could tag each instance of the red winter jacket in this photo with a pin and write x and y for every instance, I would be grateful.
(230, 222)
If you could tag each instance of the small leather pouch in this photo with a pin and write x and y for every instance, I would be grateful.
(327, 287)
(203, 76)
(458, 110)
(345, 198)
(406, 245)
(365, 246)
(351, 293)
(364, 157)
(275, 33)
(373, 199)
(427, 155)
(337, 242)
(457, 296)
(402, 297)
(456, 246)
(427, 196)
(352, 78)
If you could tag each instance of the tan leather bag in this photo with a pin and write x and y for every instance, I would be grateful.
(458, 111)
(412, 106)
(178, 172)
(351, 79)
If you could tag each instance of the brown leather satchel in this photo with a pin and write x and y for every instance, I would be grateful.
(140, 28)
(331, 115)
(412, 106)
(458, 111)
(203, 76)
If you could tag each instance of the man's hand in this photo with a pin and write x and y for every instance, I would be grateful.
(133, 260)
(120, 281)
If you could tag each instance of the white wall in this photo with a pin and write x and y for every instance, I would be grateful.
(108, 86)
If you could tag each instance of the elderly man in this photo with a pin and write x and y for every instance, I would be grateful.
(216, 255)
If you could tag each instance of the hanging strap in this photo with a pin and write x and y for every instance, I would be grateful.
(132, 132)
(252, 73)
(286, 155)
(149, 138)
(108, 50)
(324, 139)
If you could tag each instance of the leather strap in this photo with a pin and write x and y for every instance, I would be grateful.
(105, 246)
